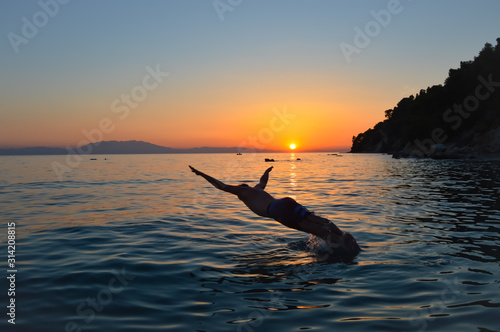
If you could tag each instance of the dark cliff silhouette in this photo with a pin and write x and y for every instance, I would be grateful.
(459, 118)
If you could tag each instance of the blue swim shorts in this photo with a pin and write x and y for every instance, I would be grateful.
(288, 212)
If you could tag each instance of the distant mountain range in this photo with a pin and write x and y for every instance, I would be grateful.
(120, 147)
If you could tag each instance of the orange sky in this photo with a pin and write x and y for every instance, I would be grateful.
(219, 108)
(312, 119)
(176, 74)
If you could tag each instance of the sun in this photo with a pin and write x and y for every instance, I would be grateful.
(292, 146)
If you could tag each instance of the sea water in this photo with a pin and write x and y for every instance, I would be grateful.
(140, 243)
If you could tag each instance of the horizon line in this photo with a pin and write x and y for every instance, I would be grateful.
(270, 149)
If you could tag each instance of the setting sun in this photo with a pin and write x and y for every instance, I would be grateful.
(292, 146)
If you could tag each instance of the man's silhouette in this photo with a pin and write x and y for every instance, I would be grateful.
(289, 213)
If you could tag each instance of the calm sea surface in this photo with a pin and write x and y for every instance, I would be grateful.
(139, 243)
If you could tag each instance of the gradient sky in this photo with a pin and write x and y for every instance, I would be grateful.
(227, 79)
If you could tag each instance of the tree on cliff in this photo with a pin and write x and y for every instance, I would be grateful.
(455, 108)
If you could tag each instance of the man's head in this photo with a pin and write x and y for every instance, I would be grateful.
(350, 243)
(243, 185)
(346, 251)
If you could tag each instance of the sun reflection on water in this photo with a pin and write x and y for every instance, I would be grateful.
(293, 175)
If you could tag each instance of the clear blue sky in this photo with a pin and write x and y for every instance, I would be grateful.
(225, 77)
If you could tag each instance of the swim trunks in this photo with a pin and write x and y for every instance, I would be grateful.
(288, 212)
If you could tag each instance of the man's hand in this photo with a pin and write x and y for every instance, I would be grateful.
(195, 171)
(269, 169)
(214, 182)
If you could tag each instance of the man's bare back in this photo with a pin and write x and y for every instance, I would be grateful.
(257, 200)
(288, 212)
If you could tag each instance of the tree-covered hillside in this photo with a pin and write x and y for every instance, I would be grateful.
(461, 116)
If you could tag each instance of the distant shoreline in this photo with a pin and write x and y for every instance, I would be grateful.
(2, 154)
(138, 147)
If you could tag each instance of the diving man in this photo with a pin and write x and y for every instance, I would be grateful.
(289, 213)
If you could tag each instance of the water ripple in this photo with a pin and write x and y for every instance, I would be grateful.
(117, 248)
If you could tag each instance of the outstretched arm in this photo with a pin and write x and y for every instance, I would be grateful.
(264, 178)
(216, 183)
